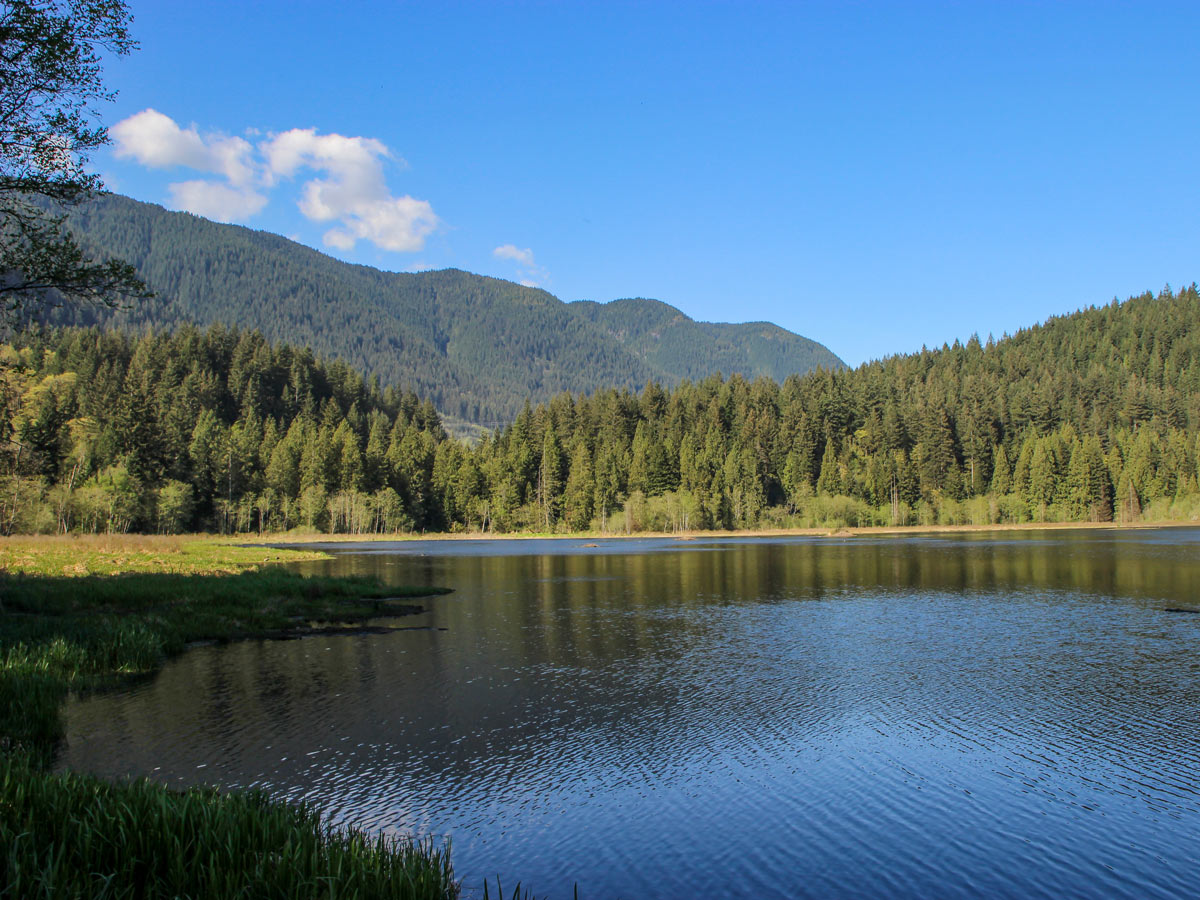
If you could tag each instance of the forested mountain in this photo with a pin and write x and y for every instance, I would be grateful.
(477, 347)
(1089, 417)
(672, 342)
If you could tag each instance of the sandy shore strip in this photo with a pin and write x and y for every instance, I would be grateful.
(290, 538)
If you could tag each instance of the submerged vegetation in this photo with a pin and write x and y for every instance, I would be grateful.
(65, 627)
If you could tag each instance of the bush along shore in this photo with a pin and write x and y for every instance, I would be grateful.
(92, 613)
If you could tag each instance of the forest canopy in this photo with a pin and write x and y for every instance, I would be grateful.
(1092, 416)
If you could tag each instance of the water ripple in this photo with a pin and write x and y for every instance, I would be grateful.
(954, 717)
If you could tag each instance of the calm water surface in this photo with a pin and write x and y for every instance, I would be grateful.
(962, 716)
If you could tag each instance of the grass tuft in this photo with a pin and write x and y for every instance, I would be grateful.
(77, 836)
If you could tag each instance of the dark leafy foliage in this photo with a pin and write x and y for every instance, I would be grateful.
(50, 65)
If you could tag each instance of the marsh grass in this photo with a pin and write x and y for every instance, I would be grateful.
(116, 554)
(77, 836)
(65, 627)
(517, 893)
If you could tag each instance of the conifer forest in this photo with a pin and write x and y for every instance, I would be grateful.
(1089, 417)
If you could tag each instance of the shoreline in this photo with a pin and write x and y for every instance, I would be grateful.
(105, 612)
(287, 539)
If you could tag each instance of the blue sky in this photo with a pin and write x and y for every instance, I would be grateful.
(874, 176)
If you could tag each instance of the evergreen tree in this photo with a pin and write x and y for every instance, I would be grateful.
(579, 493)
(830, 479)
(550, 477)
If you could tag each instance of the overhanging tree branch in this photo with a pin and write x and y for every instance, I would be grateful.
(50, 85)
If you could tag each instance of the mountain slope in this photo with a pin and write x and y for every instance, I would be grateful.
(666, 338)
(478, 347)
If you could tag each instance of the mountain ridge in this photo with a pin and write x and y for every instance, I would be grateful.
(476, 345)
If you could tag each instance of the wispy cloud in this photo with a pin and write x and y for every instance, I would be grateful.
(215, 200)
(513, 252)
(531, 274)
(350, 188)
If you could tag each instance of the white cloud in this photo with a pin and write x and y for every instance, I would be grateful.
(532, 274)
(155, 140)
(339, 238)
(351, 189)
(513, 252)
(354, 193)
(289, 151)
(215, 200)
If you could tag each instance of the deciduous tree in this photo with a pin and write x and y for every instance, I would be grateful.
(50, 87)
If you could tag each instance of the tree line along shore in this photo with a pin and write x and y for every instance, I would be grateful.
(1090, 417)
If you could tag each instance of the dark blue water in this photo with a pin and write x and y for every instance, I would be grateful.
(965, 716)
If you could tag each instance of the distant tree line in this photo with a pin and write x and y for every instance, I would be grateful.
(1093, 416)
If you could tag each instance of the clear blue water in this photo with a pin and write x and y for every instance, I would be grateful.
(949, 716)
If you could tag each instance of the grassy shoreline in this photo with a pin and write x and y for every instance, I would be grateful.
(93, 612)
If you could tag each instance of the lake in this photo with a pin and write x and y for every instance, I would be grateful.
(1013, 714)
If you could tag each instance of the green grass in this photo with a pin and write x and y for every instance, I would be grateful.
(517, 893)
(116, 554)
(75, 836)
